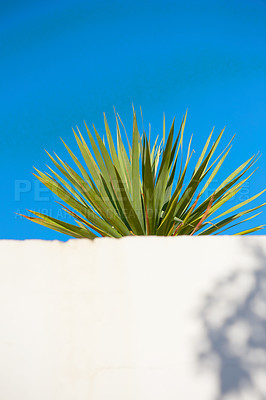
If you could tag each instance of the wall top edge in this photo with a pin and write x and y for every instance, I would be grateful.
(146, 238)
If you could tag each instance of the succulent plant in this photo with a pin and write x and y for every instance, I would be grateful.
(141, 189)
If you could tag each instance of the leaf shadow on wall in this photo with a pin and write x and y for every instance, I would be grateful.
(234, 322)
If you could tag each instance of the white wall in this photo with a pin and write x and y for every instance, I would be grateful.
(133, 319)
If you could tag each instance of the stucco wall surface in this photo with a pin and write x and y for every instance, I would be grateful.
(133, 319)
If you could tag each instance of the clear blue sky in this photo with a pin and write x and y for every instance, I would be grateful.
(63, 62)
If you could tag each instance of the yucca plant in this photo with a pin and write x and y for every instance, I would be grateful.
(129, 190)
